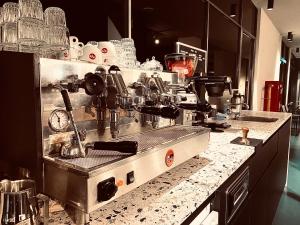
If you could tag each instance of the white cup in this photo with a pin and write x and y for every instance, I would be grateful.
(108, 52)
(91, 54)
(65, 55)
(76, 50)
(73, 41)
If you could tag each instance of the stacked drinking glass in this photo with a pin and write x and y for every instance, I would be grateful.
(128, 53)
(1, 21)
(27, 28)
(125, 53)
(9, 26)
(30, 26)
(119, 51)
(56, 31)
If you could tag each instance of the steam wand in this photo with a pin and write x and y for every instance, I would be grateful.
(66, 152)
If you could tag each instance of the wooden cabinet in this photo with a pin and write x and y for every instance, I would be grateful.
(271, 176)
(268, 173)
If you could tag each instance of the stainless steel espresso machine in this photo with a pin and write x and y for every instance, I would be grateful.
(89, 134)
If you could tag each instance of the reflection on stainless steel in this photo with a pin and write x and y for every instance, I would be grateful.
(153, 147)
(19, 203)
(88, 183)
(117, 110)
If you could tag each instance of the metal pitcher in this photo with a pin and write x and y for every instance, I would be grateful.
(236, 104)
(19, 203)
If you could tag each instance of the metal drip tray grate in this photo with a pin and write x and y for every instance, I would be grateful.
(154, 138)
(146, 141)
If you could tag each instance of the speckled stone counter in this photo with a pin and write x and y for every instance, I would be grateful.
(175, 195)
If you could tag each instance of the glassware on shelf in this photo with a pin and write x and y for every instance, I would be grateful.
(10, 12)
(30, 26)
(128, 53)
(10, 37)
(1, 21)
(9, 26)
(55, 16)
(30, 32)
(119, 51)
(31, 9)
(152, 65)
(1, 15)
(56, 34)
(56, 38)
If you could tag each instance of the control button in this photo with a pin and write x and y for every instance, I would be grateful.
(130, 177)
(120, 183)
(106, 189)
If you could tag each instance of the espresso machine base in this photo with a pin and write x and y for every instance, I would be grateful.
(85, 186)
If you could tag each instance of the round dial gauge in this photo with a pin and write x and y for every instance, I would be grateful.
(59, 120)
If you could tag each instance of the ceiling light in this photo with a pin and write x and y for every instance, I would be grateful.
(157, 41)
(270, 4)
(290, 36)
(232, 10)
(297, 50)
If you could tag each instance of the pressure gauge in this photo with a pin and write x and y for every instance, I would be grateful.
(59, 120)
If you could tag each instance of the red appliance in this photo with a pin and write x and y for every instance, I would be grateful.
(273, 96)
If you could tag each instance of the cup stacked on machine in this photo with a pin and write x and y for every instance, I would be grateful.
(125, 53)
(129, 53)
(56, 31)
(30, 26)
(9, 26)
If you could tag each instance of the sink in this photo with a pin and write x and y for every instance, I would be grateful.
(257, 119)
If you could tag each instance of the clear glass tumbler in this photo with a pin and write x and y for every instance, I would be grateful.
(31, 9)
(1, 21)
(10, 37)
(55, 16)
(57, 38)
(1, 15)
(10, 12)
(30, 32)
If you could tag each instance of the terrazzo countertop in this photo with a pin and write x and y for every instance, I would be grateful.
(175, 195)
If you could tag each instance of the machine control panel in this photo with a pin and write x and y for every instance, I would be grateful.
(106, 189)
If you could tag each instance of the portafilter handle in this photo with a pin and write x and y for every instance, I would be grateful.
(69, 108)
(118, 146)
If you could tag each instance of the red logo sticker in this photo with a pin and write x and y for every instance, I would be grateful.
(169, 158)
(104, 50)
(92, 56)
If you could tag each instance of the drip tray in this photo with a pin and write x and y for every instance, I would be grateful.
(146, 141)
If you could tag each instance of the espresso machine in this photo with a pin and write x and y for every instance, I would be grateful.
(89, 134)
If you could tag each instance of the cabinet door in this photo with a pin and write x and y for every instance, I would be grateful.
(262, 159)
(278, 172)
(257, 202)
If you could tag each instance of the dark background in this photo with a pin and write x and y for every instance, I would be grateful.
(88, 19)
(225, 28)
